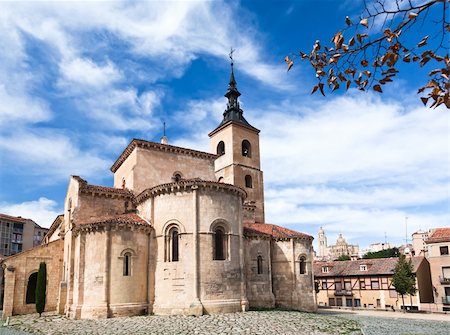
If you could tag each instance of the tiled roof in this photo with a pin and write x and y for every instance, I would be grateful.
(377, 266)
(158, 146)
(439, 235)
(17, 219)
(120, 218)
(85, 187)
(272, 230)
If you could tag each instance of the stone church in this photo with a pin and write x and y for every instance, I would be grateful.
(180, 232)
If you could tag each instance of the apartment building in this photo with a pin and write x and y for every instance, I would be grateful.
(438, 246)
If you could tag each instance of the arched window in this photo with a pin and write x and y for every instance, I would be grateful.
(127, 264)
(177, 176)
(259, 263)
(246, 149)
(302, 265)
(221, 148)
(220, 180)
(31, 289)
(248, 181)
(220, 244)
(172, 246)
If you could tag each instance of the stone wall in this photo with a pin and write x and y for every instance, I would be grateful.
(291, 289)
(259, 285)
(19, 267)
(149, 167)
(197, 284)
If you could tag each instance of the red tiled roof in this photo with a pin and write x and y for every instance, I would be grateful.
(272, 230)
(18, 219)
(120, 218)
(439, 235)
(85, 187)
(377, 266)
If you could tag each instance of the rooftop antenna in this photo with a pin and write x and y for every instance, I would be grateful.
(164, 139)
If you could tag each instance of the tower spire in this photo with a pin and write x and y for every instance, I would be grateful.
(233, 113)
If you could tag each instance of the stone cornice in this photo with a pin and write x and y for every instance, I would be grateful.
(113, 226)
(185, 185)
(137, 143)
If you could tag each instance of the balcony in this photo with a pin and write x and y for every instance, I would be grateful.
(343, 292)
(444, 280)
(446, 300)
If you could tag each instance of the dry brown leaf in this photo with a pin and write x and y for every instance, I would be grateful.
(351, 42)
(364, 62)
(348, 21)
(406, 58)
(321, 89)
(377, 88)
(412, 15)
(315, 88)
(364, 22)
(348, 84)
(424, 100)
(422, 42)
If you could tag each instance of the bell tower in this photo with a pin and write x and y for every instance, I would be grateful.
(237, 144)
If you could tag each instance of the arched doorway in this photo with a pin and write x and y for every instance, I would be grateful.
(31, 289)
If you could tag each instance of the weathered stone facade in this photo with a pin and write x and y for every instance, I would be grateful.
(181, 232)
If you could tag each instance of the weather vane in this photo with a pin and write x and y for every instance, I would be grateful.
(231, 54)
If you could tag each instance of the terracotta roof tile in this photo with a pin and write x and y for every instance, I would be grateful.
(85, 187)
(17, 219)
(378, 266)
(120, 218)
(439, 235)
(272, 230)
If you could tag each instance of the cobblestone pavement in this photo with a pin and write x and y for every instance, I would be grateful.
(253, 322)
(397, 324)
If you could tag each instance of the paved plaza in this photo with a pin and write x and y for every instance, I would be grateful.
(255, 322)
(261, 322)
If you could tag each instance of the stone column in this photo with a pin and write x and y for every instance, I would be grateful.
(196, 306)
(244, 301)
(8, 296)
(294, 277)
(107, 274)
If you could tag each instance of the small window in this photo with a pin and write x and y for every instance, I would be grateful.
(220, 247)
(375, 285)
(172, 247)
(363, 267)
(246, 149)
(302, 265)
(174, 238)
(220, 180)
(221, 148)
(248, 181)
(260, 264)
(443, 250)
(127, 264)
(325, 269)
(177, 177)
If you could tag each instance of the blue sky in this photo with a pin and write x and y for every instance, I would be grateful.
(79, 80)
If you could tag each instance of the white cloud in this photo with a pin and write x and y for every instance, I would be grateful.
(42, 211)
(85, 72)
(51, 156)
(18, 107)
